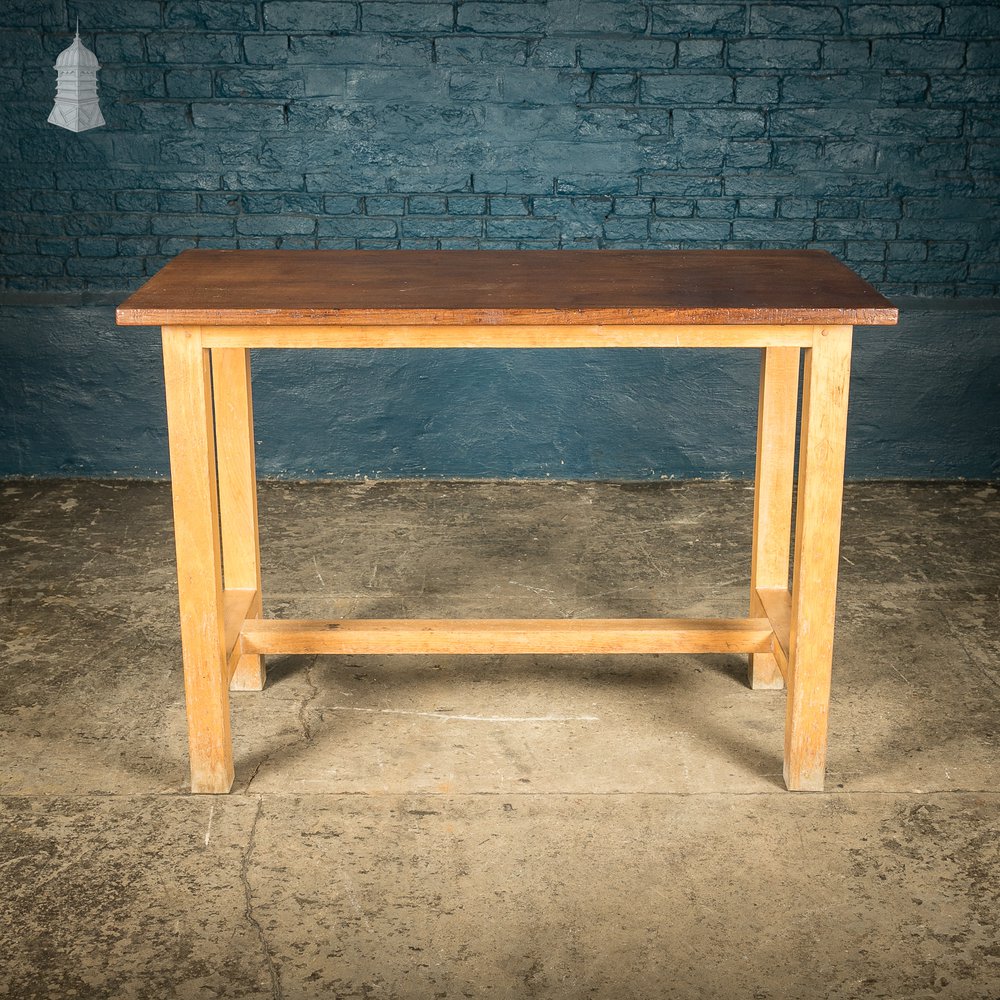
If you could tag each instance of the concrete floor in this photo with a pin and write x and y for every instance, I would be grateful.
(508, 826)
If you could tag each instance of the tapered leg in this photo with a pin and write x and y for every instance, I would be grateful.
(772, 508)
(199, 563)
(820, 494)
(238, 492)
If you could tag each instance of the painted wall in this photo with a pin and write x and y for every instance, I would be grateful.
(83, 398)
(868, 129)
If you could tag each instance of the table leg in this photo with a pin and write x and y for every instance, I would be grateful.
(777, 409)
(238, 492)
(826, 381)
(191, 431)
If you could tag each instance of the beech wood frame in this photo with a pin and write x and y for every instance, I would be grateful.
(788, 633)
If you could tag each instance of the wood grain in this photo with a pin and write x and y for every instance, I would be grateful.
(773, 487)
(826, 379)
(199, 559)
(483, 637)
(540, 287)
(509, 335)
(238, 493)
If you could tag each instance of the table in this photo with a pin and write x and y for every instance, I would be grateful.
(795, 306)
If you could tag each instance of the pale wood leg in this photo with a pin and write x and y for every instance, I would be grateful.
(238, 492)
(199, 563)
(820, 494)
(772, 508)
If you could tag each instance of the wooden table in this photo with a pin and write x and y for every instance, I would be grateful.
(213, 305)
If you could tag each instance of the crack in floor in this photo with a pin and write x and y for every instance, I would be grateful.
(308, 700)
(272, 969)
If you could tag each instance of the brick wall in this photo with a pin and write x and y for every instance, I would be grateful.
(868, 129)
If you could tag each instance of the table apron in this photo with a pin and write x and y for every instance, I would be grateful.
(505, 336)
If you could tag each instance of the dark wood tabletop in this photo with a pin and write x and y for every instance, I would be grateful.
(539, 287)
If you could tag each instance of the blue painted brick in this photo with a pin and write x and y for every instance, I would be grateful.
(681, 186)
(111, 14)
(614, 88)
(742, 124)
(46, 14)
(543, 86)
(633, 206)
(109, 267)
(53, 202)
(904, 88)
(56, 248)
(742, 155)
(177, 201)
(983, 55)
(34, 265)
(773, 230)
(715, 208)
(601, 17)
(556, 52)
(974, 20)
(189, 83)
(269, 50)
(699, 53)
(634, 231)
(827, 89)
(761, 90)
(679, 89)
(947, 251)
(375, 205)
(466, 205)
(356, 226)
(119, 48)
(838, 208)
(906, 250)
(918, 55)
(522, 229)
(628, 53)
(472, 50)
(132, 83)
(275, 225)
(275, 203)
(699, 19)
(192, 225)
(507, 205)
(258, 242)
(93, 201)
(757, 208)
(250, 116)
(310, 15)
(872, 20)
(343, 204)
(845, 55)
(97, 246)
(208, 15)
(273, 83)
(771, 53)
(674, 208)
(178, 48)
(690, 230)
(473, 85)
(427, 205)
(595, 184)
(965, 89)
(435, 228)
(263, 180)
(421, 86)
(404, 17)
(789, 19)
(502, 18)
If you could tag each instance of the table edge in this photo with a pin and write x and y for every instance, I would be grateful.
(863, 316)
